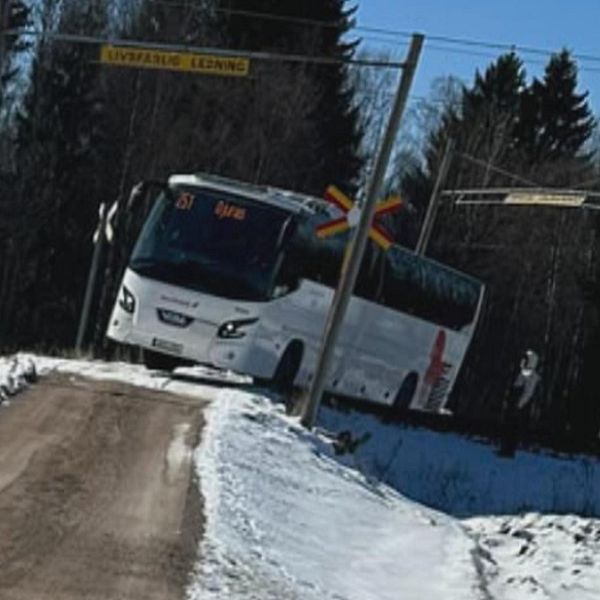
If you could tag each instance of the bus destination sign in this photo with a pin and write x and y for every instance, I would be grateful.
(189, 62)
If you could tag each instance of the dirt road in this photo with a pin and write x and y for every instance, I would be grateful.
(97, 498)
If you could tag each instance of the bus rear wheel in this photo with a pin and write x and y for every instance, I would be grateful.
(287, 369)
(155, 361)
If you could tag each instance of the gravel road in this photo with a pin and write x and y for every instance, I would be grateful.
(97, 493)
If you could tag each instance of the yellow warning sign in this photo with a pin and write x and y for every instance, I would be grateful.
(190, 62)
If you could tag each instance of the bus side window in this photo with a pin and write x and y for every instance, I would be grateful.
(400, 293)
(316, 259)
(328, 265)
(368, 284)
(289, 274)
(303, 259)
(365, 285)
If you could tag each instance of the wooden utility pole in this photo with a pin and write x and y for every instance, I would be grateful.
(358, 243)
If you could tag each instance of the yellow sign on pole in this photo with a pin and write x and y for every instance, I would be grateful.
(189, 62)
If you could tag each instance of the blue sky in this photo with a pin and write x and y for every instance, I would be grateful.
(549, 24)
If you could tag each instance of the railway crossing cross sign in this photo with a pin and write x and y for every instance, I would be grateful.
(352, 215)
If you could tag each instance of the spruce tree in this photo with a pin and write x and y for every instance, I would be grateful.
(14, 46)
(60, 145)
(481, 128)
(18, 17)
(499, 87)
(313, 28)
(564, 118)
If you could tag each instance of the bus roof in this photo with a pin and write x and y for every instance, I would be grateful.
(294, 202)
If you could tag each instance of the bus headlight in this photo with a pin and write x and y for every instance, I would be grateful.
(233, 330)
(127, 301)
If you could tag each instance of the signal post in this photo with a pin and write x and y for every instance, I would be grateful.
(359, 239)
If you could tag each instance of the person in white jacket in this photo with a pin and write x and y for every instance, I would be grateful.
(518, 402)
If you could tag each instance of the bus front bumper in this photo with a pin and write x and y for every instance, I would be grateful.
(199, 344)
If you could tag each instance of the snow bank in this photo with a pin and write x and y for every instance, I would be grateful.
(287, 521)
(16, 373)
(539, 556)
(193, 384)
(465, 478)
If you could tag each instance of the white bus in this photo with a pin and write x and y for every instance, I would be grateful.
(233, 276)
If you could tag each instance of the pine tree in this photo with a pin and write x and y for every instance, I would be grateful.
(556, 120)
(498, 88)
(314, 28)
(18, 17)
(482, 128)
(60, 144)
(13, 47)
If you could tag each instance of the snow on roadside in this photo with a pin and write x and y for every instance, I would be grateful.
(285, 520)
(521, 553)
(464, 477)
(137, 375)
(16, 373)
(540, 556)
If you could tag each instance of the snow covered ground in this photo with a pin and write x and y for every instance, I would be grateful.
(289, 519)
(539, 556)
(285, 520)
(16, 373)
(464, 477)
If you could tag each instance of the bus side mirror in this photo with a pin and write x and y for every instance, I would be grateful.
(137, 194)
(140, 190)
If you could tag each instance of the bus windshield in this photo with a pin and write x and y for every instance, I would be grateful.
(211, 241)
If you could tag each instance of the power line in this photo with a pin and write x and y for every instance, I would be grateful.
(467, 42)
(452, 41)
(491, 167)
(477, 43)
(259, 15)
(473, 53)
(476, 54)
(267, 56)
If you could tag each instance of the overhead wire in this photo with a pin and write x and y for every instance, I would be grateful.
(499, 170)
(477, 43)
(257, 14)
(450, 40)
(258, 55)
(487, 55)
